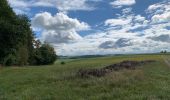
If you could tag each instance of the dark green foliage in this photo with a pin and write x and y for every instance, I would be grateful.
(16, 40)
(9, 60)
(6, 11)
(26, 40)
(63, 63)
(44, 55)
(8, 32)
(22, 56)
(163, 51)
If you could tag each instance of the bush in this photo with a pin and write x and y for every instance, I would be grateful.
(63, 63)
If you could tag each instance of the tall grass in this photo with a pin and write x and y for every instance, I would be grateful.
(60, 82)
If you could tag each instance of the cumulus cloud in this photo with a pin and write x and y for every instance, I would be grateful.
(126, 33)
(121, 3)
(151, 37)
(58, 28)
(117, 37)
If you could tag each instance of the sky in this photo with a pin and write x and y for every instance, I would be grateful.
(92, 27)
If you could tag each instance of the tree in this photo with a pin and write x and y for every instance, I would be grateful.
(163, 51)
(8, 39)
(15, 35)
(17, 43)
(26, 38)
(22, 56)
(45, 55)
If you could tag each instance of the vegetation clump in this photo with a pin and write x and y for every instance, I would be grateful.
(163, 52)
(44, 55)
(114, 67)
(63, 63)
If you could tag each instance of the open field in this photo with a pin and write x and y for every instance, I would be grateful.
(59, 82)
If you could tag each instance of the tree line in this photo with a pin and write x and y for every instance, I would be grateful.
(18, 45)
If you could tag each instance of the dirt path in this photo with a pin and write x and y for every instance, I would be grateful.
(166, 60)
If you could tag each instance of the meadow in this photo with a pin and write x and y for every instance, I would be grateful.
(60, 81)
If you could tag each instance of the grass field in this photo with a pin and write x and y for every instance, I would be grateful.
(59, 82)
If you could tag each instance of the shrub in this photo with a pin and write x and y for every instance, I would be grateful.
(63, 63)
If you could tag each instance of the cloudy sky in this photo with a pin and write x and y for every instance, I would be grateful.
(86, 27)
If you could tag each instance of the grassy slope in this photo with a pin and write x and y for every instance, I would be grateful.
(58, 82)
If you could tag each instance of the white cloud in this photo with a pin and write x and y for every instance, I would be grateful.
(121, 3)
(68, 5)
(126, 22)
(152, 39)
(115, 22)
(154, 7)
(158, 18)
(127, 10)
(121, 34)
(112, 40)
(159, 12)
(43, 3)
(19, 6)
(139, 18)
(122, 40)
(61, 5)
(111, 45)
(118, 42)
(58, 28)
(159, 8)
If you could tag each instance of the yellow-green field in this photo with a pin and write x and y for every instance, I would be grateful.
(59, 82)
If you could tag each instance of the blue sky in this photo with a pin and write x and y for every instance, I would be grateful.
(81, 27)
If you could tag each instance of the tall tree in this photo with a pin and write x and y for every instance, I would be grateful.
(26, 36)
(7, 31)
(15, 35)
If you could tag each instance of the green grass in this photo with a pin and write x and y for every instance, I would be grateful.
(59, 82)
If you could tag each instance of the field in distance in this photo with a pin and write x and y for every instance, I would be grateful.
(60, 81)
